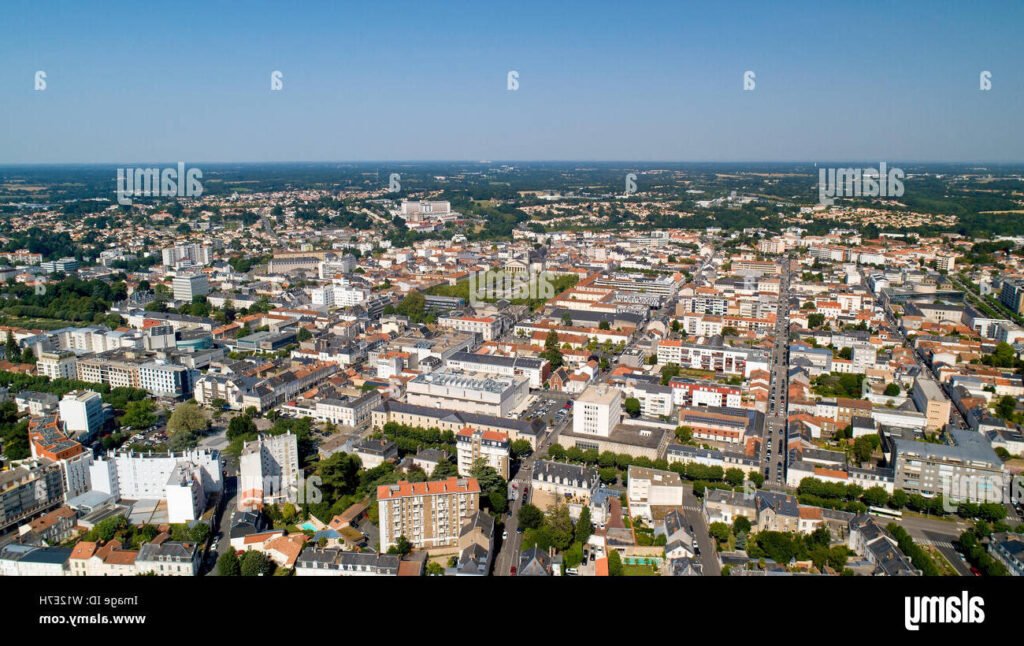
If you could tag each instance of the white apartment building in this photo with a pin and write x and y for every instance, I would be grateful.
(188, 286)
(182, 479)
(81, 411)
(492, 447)
(653, 488)
(165, 379)
(186, 255)
(56, 365)
(269, 472)
(353, 412)
(340, 293)
(597, 411)
(488, 327)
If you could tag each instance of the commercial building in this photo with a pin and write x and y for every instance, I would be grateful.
(719, 424)
(967, 470)
(467, 392)
(351, 412)
(536, 370)
(1012, 295)
(734, 361)
(454, 421)
(56, 365)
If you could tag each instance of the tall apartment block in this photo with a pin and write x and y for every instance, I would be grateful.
(428, 514)
(490, 446)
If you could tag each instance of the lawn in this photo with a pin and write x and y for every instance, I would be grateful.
(638, 570)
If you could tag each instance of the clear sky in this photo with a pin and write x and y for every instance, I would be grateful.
(149, 81)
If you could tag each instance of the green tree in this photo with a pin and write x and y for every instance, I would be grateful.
(1006, 406)
(719, 531)
(11, 349)
(898, 499)
(530, 517)
(552, 352)
(228, 564)
(584, 526)
(684, 434)
(240, 426)
(668, 371)
(741, 525)
(492, 485)
(632, 406)
(444, 469)
(139, 414)
(875, 496)
(757, 478)
(520, 448)
(434, 569)
(186, 422)
(862, 449)
(402, 546)
(892, 390)
(256, 564)
(559, 526)
(614, 564)
(608, 475)
(734, 477)
(573, 556)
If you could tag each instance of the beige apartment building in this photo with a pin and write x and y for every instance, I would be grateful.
(428, 514)
(477, 444)
(930, 400)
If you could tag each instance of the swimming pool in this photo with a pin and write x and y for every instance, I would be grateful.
(641, 560)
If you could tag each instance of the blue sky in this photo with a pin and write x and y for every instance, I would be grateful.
(140, 82)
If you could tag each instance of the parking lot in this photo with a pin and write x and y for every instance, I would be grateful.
(548, 408)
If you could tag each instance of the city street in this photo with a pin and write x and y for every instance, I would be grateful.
(773, 448)
(508, 553)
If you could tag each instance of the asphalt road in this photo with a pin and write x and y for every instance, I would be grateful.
(773, 448)
(508, 553)
(695, 518)
(223, 527)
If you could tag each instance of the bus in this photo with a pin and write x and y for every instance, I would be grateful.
(885, 512)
